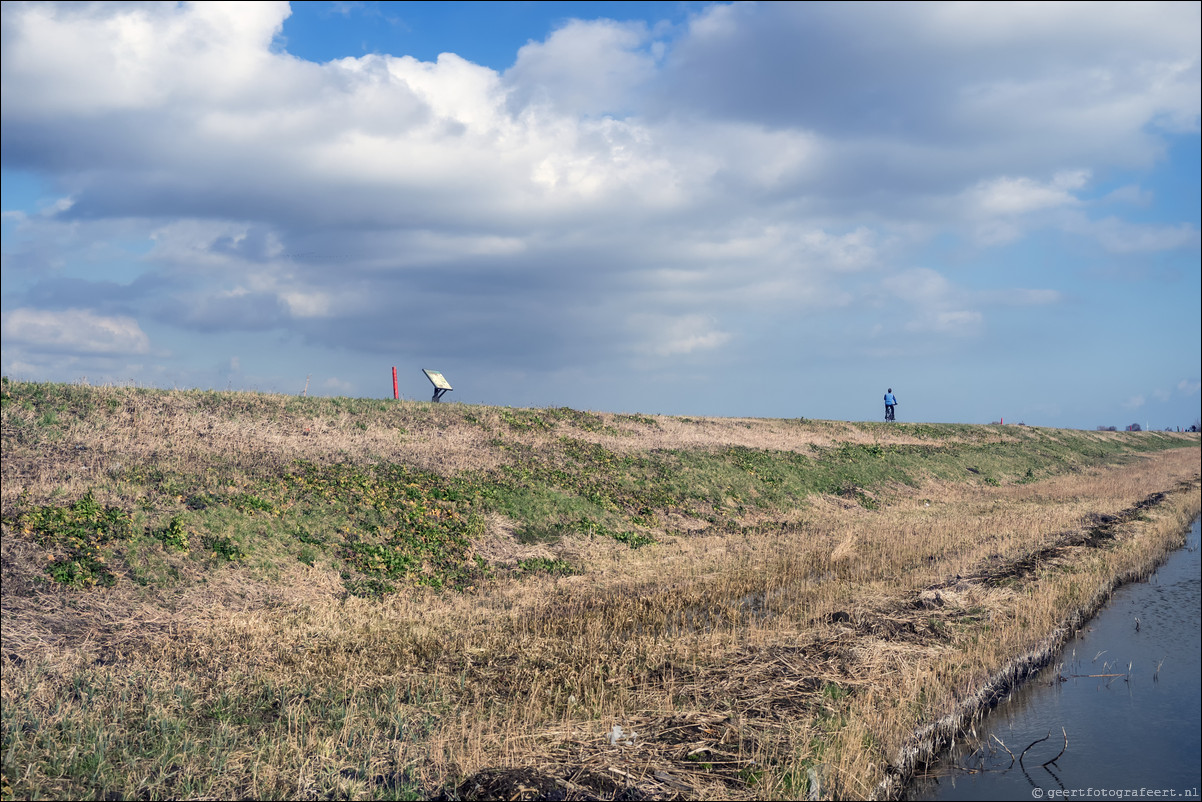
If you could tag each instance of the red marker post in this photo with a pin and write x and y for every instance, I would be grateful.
(395, 392)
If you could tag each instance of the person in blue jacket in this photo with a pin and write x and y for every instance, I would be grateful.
(890, 403)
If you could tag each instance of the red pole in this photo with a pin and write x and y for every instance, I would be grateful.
(395, 393)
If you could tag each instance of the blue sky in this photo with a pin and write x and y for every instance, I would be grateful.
(688, 208)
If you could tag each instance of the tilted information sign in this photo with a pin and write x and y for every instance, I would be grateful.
(441, 385)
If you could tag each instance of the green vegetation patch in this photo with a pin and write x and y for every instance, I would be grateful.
(393, 523)
(522, 420)
(574, 486)
(554, 531)
(387, 525)
(545, 565)
(174, 536)
(77, 538)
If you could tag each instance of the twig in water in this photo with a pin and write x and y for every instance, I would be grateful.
(1099, 654)
(1062, 750)
(1011, 754)
(1028, 749)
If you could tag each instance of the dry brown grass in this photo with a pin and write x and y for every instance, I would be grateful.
(816, 645)
(192, 431)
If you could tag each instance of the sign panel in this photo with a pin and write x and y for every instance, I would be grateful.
(437, 380)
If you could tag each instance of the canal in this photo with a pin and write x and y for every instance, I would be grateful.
(1121, 708)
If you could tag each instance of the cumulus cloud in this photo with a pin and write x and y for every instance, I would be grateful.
(584, 68)
(947, 71)
(1020, 195)
(74, 331)
(936, 304)
(933, 304)
(1003, 209)
(82, 61)
(675, 336)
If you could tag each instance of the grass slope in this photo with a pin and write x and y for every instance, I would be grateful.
(237, 594)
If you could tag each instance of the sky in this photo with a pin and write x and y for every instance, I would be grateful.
(770, 210)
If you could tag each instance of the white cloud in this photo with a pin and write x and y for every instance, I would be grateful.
(1007, 196)
(938, 305)
(308, 304)
(74, 330)
(786, 247)
(1189, 386)
(80, 60)
(1005, 209)
(585, 67)
(1040, 82)
(58, 206)
(674, 336)
(921, 286)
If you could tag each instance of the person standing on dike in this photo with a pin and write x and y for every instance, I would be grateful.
(890, 403)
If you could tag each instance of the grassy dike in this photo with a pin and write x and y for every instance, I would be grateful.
(230, 595)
